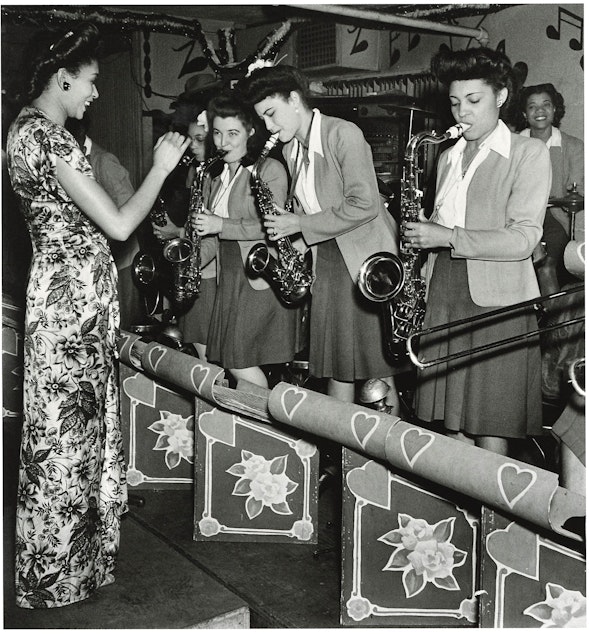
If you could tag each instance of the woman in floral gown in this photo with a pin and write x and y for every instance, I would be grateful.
(72, 489)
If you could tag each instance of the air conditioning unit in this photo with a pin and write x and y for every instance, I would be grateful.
(337, 47)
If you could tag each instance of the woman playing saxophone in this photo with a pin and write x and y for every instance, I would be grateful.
(250, 327)
(340, 213)
(491, 196)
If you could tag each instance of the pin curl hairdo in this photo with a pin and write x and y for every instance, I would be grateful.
(275, 80)
(48, 52)
(556, 98)
(492, 67)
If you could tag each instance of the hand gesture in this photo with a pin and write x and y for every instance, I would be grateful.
(281, 225)
(169, 150)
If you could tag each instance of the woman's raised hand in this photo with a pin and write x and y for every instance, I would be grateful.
(169, 150)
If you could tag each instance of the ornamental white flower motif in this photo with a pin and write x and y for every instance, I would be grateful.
(560, 608)
(259, 63)
(202, 120)
(424, 553)
(263, 482)
(175, 437)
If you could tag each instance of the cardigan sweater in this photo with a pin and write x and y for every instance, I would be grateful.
(352, 210)
(505, 208)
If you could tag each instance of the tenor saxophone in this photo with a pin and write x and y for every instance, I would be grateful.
(184, 253)
(290, 273)
(396, 281)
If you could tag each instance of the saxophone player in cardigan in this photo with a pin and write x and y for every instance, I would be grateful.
(250, 326)
(491, 195)
(339, 213)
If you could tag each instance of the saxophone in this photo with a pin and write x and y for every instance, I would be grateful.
(290, 273)
(396, 281)
(184, 253)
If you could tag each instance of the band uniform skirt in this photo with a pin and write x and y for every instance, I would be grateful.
(346, 341)
(248, 327)
(194, 324)
(492, 393)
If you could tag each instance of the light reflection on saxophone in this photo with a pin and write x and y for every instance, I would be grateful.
(396, 280)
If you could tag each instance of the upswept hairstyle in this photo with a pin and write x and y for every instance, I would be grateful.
(274, 80)
(230, 103)
(492, 67)
(555, 96)
(50, 51)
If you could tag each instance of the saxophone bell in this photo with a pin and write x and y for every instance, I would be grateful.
(381, 277)
(177, 250)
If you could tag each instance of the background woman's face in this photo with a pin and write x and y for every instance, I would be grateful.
(230, 135)
(539, 111)
(473, 101)
(197, 136)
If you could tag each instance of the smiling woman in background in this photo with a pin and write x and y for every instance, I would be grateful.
(72, 486)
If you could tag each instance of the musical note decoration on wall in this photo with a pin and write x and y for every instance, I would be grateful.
(573, 20)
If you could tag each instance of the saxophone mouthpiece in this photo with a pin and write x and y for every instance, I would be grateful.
(456, 131)
(272, 141)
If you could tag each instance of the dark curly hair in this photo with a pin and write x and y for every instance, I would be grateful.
(274, 80)
(230, 103)
(556, 98)
(49, 51)
(492, 67)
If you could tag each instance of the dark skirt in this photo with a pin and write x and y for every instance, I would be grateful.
(346, 341)
(492, 393)
(195, 323)
(248, 327)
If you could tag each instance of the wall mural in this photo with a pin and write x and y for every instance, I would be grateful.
(568, 19)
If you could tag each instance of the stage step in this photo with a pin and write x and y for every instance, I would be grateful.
(156, 587)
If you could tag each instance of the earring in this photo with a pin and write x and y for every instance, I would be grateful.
(66, 86)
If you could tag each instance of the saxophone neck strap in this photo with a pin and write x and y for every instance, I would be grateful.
(299, 161)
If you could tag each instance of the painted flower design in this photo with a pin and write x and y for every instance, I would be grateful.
(560, 608)
(263, 482)
(175, 437)
(424, 553)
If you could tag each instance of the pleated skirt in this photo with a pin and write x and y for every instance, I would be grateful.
(195, 323)
(492, 393)
(346, 341)
(248, 327)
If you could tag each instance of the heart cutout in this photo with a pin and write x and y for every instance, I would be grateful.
(514, 548)
(371, 483)
(140, 388)
(155, 355)
(514, 482)
(414, 442)
(291, 400)
(198, 375)
(220, 426)
(363, 426)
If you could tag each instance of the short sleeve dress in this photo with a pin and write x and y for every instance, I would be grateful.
(72, 487)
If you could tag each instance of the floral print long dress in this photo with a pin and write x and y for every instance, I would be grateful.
(72, 488)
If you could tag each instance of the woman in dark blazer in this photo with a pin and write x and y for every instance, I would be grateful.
(340, 214)
(250, 327)
(491, 194)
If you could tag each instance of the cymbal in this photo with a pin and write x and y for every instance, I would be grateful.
(572, 200)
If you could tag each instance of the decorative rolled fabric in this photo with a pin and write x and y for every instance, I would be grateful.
(515, 487)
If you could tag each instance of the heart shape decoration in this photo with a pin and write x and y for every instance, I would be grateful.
(220, 426)
(371, 483)
(363, 426)
(198, 375)
(291, 399)
(515, 548)
(155, 355)
(514, 482)
(140, 388)
(414, 442)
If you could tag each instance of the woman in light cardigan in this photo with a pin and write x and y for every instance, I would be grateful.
(492, 189)
(340, 214)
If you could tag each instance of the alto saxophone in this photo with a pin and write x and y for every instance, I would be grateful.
(184, 253)
(397, 281)
(289, 273)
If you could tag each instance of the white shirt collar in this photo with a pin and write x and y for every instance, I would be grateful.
(555, 139)
(314, 137)
(499, 141)
(87, 146)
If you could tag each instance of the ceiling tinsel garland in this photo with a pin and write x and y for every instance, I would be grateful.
(132, 21)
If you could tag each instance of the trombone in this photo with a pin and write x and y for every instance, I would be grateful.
(421, 364)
